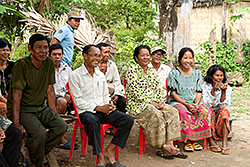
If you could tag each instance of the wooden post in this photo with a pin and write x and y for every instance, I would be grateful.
(212, 59)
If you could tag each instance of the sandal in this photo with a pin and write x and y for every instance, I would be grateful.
(115, 164)
(197, 146)
(67, 146)
(181, 155)
(215, 148)
(225, 151)
(189, 147)
(161, 154)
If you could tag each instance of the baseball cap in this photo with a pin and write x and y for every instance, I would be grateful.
(74, 15)
(158, 48)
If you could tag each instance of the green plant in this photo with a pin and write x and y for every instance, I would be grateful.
(225, 56)
(246, 61)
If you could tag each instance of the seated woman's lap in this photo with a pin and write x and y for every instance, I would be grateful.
(155, 122)
(194, 126)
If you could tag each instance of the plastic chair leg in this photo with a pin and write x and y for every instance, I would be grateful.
(73, 142)
(141, 141)
(117, 153)
(84, 139)
(205, 143)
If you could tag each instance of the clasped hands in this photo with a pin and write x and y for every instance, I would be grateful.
(159, 105)
(107, 108)
(217, 86)
(193, 108)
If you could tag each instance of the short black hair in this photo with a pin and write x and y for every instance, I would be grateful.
(183, 51)
(87, 48)
(4, 42)
(210, 72)
(54, 47)
(37, 37)
(102, 44)
(137, 50)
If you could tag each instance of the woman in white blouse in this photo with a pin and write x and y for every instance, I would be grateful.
(216, 93)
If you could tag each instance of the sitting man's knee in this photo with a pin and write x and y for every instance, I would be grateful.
(41, 133)
(61, 105)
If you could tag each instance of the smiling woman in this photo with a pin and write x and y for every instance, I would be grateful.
(217, 95)
(146, 103)
(5, 68)
(185, 87)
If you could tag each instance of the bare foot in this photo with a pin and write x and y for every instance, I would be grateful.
(109, 154)
(101, 159)
(169, 149)
(25, 152)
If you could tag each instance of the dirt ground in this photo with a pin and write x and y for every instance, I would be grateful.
(239, 144)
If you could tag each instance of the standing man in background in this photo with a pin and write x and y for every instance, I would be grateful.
(65, 36)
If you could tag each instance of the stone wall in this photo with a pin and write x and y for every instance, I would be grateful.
(204, 19)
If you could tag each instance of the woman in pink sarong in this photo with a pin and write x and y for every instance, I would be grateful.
(185, 87)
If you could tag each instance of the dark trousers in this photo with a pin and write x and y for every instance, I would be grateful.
(92, 125)
(40, 141)
(11, 147)
(121, 104)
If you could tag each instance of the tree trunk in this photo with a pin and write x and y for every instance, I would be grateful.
(41, 6)
(167, 25)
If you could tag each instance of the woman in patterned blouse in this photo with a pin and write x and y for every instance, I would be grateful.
(5, 71)
(217, 95)
(146, 103)
(185, 87)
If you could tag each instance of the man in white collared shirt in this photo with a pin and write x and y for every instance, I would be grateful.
(113, 78)
(162, 69)
(90, 92)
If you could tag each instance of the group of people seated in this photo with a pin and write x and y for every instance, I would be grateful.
(195, 110)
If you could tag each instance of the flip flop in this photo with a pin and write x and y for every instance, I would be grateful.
(215, 148)
(225, 151)
(67, 145)
(115, 164)
(161, 154)
(181, 155)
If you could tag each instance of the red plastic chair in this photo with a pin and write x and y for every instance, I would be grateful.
(84, 137)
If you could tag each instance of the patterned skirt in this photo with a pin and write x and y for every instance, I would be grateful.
(218, 119)
(160, 125)
(194, 126)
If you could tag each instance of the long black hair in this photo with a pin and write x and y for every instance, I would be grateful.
(210, 72)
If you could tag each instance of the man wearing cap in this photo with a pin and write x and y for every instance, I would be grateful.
(65, 36)
(162, 69)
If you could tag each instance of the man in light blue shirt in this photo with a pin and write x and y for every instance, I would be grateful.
(65, 36)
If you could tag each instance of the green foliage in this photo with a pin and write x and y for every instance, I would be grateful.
(9, 16)
(235, 17)
(246, 61)
(225, 56)
(241, 9)
(77, 60)
(124, 54)
(110, 13)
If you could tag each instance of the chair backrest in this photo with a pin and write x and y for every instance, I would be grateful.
(167, 89)
(124, 85)
(73, 102)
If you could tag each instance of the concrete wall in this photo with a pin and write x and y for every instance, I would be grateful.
(204, 19)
